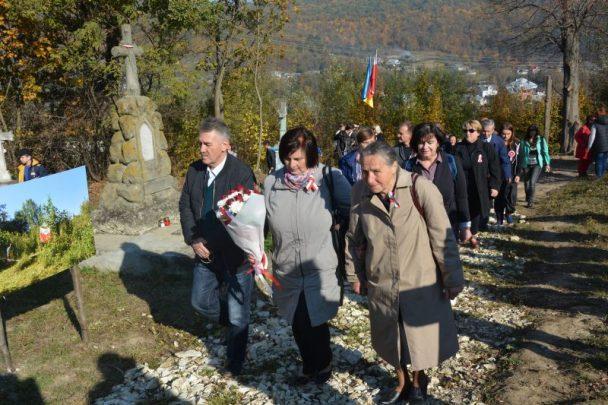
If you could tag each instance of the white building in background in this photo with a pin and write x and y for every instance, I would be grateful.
(392, 63)
(522, 85)
(525, 88)
(485, 92)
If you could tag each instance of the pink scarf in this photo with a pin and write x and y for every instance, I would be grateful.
(304, 181)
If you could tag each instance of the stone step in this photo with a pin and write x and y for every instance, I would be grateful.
(162, 249)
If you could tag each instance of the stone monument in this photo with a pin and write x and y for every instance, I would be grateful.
(5, 176)
(140, 188)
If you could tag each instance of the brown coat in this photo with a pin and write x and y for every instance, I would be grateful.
(408, 260)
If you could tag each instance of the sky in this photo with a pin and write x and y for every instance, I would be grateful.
(68, 190)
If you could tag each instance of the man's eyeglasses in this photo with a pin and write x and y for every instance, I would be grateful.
(470, 130)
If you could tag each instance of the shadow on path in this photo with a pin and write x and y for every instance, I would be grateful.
(17, 392)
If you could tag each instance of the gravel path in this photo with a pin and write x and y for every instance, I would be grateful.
(487, 327)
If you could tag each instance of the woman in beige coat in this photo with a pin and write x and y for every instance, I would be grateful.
(405, 258)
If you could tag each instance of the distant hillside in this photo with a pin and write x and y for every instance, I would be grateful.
(353, 28)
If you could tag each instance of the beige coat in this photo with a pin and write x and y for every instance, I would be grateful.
(407, 262)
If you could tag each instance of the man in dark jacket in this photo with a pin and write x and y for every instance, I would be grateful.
(403, 148)
(270, 157)
(221, 266)
(30, 168)
(490, 136)
(598, 142)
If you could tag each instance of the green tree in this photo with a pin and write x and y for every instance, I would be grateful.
(30, 213)
(3, 213)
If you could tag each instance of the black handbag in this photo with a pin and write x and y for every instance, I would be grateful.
(339, 226)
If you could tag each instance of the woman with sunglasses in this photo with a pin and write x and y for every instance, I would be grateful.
(482, 170)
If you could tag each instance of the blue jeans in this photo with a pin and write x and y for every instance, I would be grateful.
(601, 161)
(225, 297)
(531, 178)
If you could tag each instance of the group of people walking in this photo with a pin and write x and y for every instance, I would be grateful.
(401, 211)
(478, 173)
(592, 144)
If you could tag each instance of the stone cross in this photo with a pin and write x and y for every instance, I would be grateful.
(128, 50)
(5, 176)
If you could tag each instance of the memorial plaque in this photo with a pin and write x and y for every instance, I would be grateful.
(146, 140)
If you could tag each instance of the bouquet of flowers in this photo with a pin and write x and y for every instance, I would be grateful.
(243, 213)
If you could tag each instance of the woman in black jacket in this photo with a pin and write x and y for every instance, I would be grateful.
(445, 171)
(482, 171)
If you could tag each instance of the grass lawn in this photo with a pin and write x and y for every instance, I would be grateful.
(565, 244)
(131, 320)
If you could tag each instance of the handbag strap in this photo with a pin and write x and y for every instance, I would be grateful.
(329, 180)
(414, 194)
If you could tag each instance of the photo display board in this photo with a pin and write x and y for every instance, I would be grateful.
(45, 228)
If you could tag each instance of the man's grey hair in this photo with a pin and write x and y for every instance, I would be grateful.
(380, 149)
(406, 123)
(486, 123)
(214, 124)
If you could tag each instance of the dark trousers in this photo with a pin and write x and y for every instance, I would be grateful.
(506, 201)
(313, 342)
(583, 166)
(225, 297)
(532, 175)
(475, 214)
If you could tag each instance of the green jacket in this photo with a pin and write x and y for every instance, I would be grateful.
(542, 148)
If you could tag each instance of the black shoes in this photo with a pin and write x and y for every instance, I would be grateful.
(322, 376)
(418, 395)
(410, 394)
(319, 378)
(394, 397)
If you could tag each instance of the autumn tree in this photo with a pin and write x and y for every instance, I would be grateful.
(232, 33)
(561, 25)
(25, 51)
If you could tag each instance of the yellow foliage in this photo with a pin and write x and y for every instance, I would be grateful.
(23, 52)
(245, 135)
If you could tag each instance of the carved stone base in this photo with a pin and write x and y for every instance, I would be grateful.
(135, 218)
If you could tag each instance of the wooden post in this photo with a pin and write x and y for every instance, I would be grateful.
(75, 272)
(548, 109)
(5, 176)
(282, 111)
(4, 346)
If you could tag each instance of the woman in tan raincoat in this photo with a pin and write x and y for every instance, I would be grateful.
(405, 258)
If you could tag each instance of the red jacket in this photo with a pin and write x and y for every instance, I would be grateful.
(582, 140)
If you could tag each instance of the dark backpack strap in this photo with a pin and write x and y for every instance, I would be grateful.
(337, 236)
(414, 193)
(329, 179)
